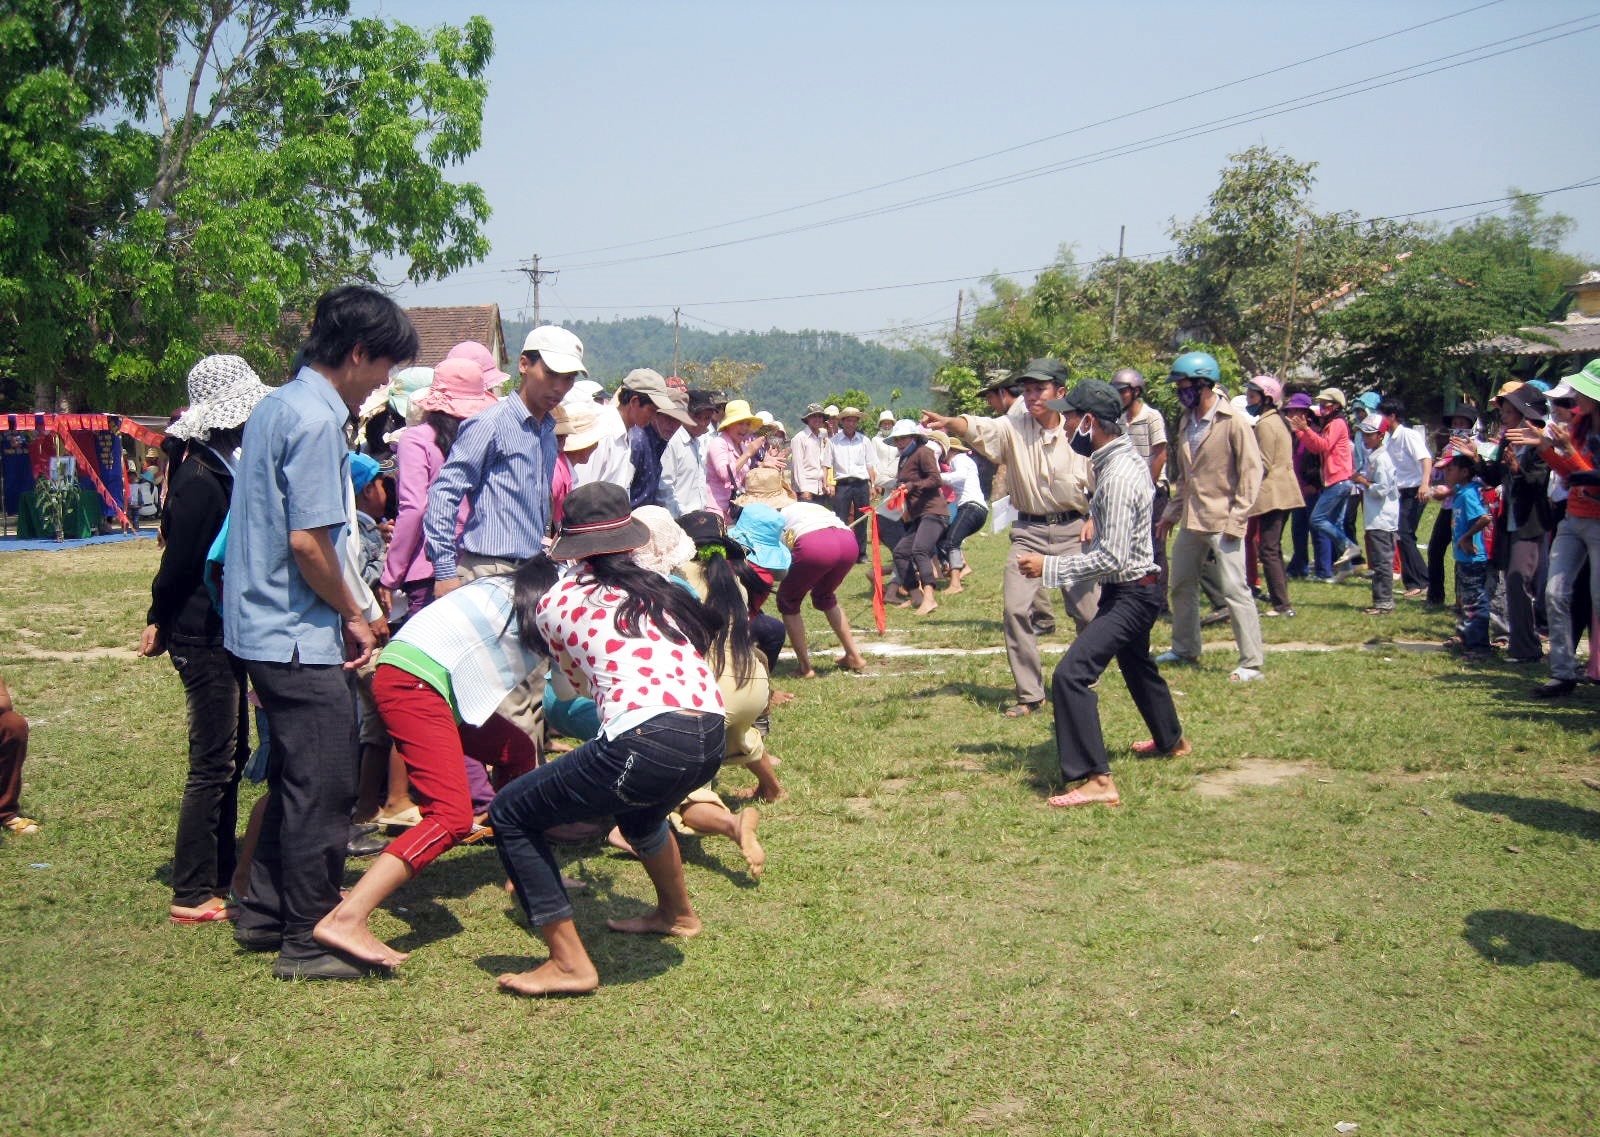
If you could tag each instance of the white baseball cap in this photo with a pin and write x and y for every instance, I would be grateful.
(561, 351)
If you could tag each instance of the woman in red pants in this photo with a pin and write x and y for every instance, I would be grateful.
(437, 686)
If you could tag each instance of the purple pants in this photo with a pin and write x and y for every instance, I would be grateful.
(822, 559)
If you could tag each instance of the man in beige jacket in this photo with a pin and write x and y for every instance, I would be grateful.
(1218, 476)
(1050, 487)
(1280, 489)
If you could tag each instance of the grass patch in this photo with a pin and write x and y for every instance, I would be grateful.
(1400, 933)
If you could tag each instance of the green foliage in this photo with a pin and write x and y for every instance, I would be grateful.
(791, 368)
(962, 390)
(190, 174)
(1406, 334)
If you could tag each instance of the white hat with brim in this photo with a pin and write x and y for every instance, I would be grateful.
(578, 425)
(886, 416)
(223, 390)
(561, 351)
(905, 428)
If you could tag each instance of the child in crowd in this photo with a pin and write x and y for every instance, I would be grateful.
(1381, 503)
(1469, 517)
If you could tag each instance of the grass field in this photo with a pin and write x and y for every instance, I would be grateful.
(1368, 896)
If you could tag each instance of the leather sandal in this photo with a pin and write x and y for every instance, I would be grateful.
(1021, 710)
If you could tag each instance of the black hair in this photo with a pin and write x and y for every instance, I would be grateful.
(626, 395)
(385, 420)
(225, 438)
(353, 316)
(731, 640)
(1392, 408)
(533, 578)
(445, 429)
(1464, 462)
(681, 618)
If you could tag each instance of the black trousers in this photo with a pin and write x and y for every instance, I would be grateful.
(1120, 630)
(313, 765)
(1440, 559)
(219, 746)
(913, 553)
(1413, 568)
(851, 498)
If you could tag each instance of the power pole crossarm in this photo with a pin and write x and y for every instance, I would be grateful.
(537, 276)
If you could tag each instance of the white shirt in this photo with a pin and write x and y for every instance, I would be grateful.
(808, 454)
(1408, 450)
(612, 461)
(852, 457)
(806, 517)
(963, 478)
(683, 474)
(1381, 500)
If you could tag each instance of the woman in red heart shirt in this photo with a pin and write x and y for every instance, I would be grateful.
(636, 643)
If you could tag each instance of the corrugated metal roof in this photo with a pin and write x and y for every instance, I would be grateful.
(1576, 335)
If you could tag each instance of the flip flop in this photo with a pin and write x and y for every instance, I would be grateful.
(211, 917)
(1076, 797)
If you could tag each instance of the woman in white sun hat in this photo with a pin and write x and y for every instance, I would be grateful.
(223, 390)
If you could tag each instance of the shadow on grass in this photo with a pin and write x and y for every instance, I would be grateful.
(621, 958)
(1521, 939)
(1540, 813)
(1513, 685)
(981, 694)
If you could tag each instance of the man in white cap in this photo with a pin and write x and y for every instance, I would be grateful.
(502, 463)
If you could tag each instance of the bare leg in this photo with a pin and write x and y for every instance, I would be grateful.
(399, 799)
(796, 627)
(568, 971)
(841, 627)
(707, 817)
(345, 928)
(252, 834)
(673, 914)
(374, 772)
(767, 787)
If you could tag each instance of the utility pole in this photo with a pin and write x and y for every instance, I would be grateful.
(1116, 303)
(536, 276)
(1294, 289)
(675, 341)
(955, 340)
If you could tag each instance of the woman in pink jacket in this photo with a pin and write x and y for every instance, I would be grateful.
(458, 392)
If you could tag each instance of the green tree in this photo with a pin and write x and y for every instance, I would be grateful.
(220, 164)
(1411, 334)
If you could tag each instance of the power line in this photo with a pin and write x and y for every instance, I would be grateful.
(1039, 141)
(1258, 114)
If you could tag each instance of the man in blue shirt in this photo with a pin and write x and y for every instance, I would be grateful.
(647, 445)
(288, 614)
(501, 463)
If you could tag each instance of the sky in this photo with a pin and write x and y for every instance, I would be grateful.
(611, 127)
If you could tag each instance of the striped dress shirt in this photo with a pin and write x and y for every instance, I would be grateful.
(1120, 508)
(502, 463)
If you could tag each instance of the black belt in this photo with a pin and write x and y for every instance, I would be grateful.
(1144, 581)
(850, 481)
(1049, 518)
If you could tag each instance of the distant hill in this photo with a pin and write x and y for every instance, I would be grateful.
(801, 367)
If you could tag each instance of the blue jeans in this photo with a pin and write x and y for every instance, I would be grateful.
(1327, 516)
(638, 778)
(1472, 594)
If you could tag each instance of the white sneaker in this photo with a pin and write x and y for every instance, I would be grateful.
(1350, 553)
(1246, 675)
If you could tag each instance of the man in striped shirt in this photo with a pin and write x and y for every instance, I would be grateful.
(1119, 557)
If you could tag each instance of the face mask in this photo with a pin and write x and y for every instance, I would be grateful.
(1253, 409)
(1082, 441)
(1189, 397)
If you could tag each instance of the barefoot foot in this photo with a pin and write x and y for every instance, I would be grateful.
(755, 856)
(617, 841)
(756, 793)
(550, 978)
(355, 939)
(657, 923)
(778, 698)
(851, 663)
(928, 604)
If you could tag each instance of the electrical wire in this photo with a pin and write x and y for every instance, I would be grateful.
(1258, 114)
(1038, 141)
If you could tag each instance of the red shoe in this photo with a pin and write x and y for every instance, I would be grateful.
(1147, 749)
